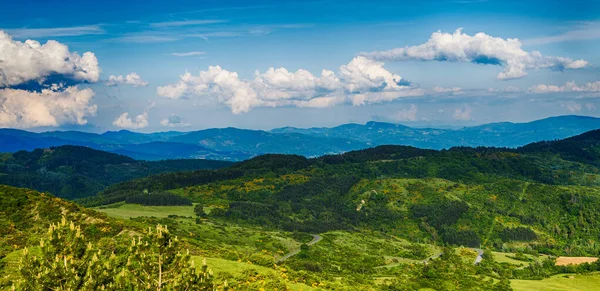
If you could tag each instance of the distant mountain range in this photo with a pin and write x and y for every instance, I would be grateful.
(239, 144)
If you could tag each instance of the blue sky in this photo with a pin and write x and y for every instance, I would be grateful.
(384, 62)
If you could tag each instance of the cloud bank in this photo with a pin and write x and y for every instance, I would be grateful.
(479, 49)
(50, 107)
(567, 87)
(22, 62)
(362, 81)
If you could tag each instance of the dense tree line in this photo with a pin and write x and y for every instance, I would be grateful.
(158, 199)
(75, 172)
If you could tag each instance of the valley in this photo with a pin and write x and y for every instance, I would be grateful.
(384, 218)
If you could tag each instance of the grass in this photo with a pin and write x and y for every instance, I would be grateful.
(570, 282)
(238, 268)
(505, 258)
(126, 211)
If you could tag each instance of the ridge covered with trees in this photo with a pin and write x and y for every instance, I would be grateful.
(74, 171)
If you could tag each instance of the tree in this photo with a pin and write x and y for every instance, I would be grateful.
(67, 261)
(156, 263)
(199, 210)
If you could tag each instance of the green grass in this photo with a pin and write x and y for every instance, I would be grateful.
(504, 258)
(569, 282)
(126, 211)
(237, 268)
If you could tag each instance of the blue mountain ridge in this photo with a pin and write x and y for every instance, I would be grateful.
(239, 144)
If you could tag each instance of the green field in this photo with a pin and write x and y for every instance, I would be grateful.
(505, 258)
(222, 266)
(569, 282)
(126, 211)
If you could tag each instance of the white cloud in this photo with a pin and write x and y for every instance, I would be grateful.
(132, 79)
(567, 87)
(54, 106)
(21, 62)
(320, 102)
(361, 81)
(188, 54)
(508, 89)
(409, 114)
(215, 34)
(186, 23)
(463, 113)
(479, 49)
(124, 121)
(143, 38)
(572, 106)
(174, 121)
(452, 90)
(55, 31)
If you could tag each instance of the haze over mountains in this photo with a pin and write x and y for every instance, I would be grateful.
(240, 144)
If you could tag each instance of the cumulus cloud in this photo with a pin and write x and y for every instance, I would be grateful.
(53, 106)
(22, 62)
(124, 121)
(174, 121)
(409, 114)
(361, 81)
(463, 113)
(479, 49)
(132, 79)
(567, 87)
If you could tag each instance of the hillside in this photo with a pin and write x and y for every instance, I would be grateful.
(235, 144)
(26, 214)
(495, 197)
(74, 171)
(366, 219)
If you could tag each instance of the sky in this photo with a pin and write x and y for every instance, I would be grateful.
(186, 65)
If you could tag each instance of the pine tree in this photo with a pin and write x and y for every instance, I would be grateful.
(156, 263)
(67, 261)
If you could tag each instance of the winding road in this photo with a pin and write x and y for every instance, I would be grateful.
(316, 239)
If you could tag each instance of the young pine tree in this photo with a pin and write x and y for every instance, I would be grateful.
(66, 261)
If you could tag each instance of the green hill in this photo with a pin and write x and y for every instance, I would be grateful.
(26, 214)
(542, 196)
(73, 172)
(372, 217)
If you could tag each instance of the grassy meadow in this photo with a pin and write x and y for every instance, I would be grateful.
(566, 282)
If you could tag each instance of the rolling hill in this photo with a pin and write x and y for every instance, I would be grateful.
(453, 196)
(235, 144)
(75, 171)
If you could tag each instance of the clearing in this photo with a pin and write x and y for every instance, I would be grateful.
(563, 261)
(565, 282)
